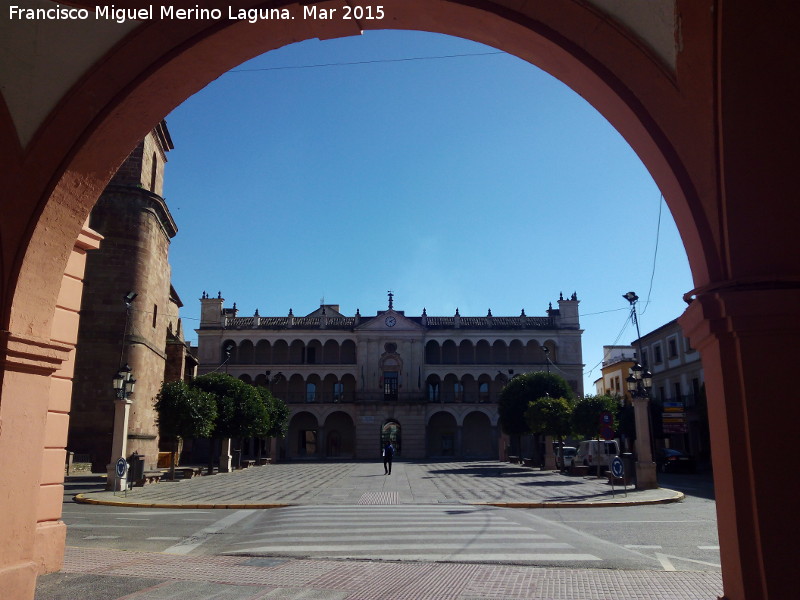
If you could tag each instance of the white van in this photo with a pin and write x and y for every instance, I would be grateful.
(592, 453)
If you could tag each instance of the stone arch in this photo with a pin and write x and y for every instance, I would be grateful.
(469, 388)
(263, 353)
(499, 352)
(433, 388)
(483, 353)
(442, 434)
(330, 353)
(296, 389)
(516, 352)
(303, 436)
(297, 352)
(466, 353)
(477, 436)
(349, 387)
(449, 353)
(246, 354)
(690, 124)
(552, 348)
(280, 352)
(348, 352)
(433, 353)
(246, 378)
(484, 388)
(228, 350)
(340, 435)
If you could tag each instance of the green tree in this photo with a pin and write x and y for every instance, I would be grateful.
(278, 422)
(184, 412)
(587, 411)
(550, 416)
(240, 411)
(519, 392)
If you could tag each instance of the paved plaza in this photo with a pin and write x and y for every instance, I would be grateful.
(103, 574)
(299, 483)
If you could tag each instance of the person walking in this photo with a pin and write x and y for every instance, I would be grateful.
(388, 454)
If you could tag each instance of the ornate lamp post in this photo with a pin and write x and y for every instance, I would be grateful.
(639, 383)
(123, 384)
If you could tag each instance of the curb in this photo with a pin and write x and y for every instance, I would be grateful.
(676, 497)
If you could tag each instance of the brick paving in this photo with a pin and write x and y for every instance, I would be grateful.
(152, 576)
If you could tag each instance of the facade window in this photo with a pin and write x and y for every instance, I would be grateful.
(677, 391)
(458, 391)
(338, 391)
(673, 348)
(390, 385)
(657, 354)
(311, 355)
(433, 392)
(153, 173)
(155, 314)
(311, 392)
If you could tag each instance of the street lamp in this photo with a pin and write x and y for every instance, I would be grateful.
(639, 383)
(123, 384)
(546, 351)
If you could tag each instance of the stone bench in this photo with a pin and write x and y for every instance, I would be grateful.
(248, 463)
(189, 472)
(149, 477)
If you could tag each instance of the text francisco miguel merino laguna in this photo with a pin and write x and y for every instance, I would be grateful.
(121, 15)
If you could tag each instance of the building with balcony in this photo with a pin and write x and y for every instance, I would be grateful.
(428, 383)
(680, 417)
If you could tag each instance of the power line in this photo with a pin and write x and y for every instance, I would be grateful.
(655, 254)
(367, 62)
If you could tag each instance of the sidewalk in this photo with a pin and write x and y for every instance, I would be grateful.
(303, 483)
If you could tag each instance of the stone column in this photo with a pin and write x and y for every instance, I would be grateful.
(225, 456)
(748, 341)
(549, 455)
(119, 445)
(645, 467)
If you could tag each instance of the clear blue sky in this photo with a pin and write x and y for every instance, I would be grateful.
(470, 182)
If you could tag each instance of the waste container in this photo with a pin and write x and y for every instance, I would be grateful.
(630, 466)
(135, 469)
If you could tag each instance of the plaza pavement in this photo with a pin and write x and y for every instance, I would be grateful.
(102, 574)
(350, 482)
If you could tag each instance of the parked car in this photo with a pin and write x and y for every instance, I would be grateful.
(565, 456)
(669, 460)
(592, 453)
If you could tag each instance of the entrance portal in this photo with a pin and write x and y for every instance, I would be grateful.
(390, 432)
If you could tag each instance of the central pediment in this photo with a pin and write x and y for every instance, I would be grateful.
(390, 320)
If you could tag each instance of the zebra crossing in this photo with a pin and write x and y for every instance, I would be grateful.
(403, 532)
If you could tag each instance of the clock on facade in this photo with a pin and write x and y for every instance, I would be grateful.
(390, 321)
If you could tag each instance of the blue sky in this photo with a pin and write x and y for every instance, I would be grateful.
(470, 182)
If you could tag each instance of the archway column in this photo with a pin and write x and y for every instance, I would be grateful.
(28, 428)
(748, 340)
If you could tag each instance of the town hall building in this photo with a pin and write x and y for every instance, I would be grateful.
(429, 384)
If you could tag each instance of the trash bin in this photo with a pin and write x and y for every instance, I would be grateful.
(630, 466)
(237, 458)
(135, 469)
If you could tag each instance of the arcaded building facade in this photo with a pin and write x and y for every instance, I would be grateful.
(428, 383)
